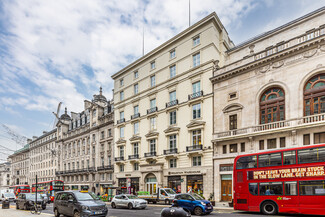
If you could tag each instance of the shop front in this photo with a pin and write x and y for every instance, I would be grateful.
(175, 183)
(84, 188)
(74, 187)
(122, 186)
(134, 185)
(195, 184)
(151, 183)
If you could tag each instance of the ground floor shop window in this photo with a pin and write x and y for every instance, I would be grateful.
(74, 187)
(122, 186)
(174, 182)
(195, 184)
(134, 187)
(151, 184)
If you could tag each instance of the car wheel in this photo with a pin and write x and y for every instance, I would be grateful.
(167, 201)
(130, 206)
(269, 208)
(76, 214)
(43, 207)
(113, 205)
(198, 211)
(56, 213)
(17, 207)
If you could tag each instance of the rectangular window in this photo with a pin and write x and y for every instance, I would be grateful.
(172, 117)
(136, 128)
(136, 74)
(233, 122)
(319, 138)
(172, 71)
(306, 139)
(153, 125)
(312, 187)
(122, 132)
(172, 141)
(136, 88)
(261, 144)
(121, 168)
(311, 155)
(290, 188)
(196, 137)
(136, 166)
(121, 151)
(196, 161)
(153, 65)
(152, 145)
(196, 87)
(196, 40)
(271, 143)
(196, 60)
(152, 103)
(282, 142)
(242, 147)
(153, 81)
(233, 148)
(172, 96)
(253, 188)
(121, 95)
(136, 148)
(224, 149)
(121, 82)
(136, 109)
(271, 188)
(289, 157)
(121, 115)
(196, 111)
(173, 163)
(172, 54)
(268, 160)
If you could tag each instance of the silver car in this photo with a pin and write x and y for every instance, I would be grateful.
(128, 200)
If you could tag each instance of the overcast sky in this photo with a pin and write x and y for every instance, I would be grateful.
(55, 51)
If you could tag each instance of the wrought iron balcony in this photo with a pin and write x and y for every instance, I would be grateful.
(170, 151)
(172, 103)
(194, 148)
(108, 167)
(150, 154)
(135, 156)
(121, 121)
(137, 115)
(152, 110)
(195, 95)
(119, 158)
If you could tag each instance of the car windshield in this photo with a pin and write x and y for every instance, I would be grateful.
(9, 195)
(132, 197)
(32, 196)
(170, 191)
(83, 196)
(197, 197)
(94, 196)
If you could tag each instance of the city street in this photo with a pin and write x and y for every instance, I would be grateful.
(151, 211)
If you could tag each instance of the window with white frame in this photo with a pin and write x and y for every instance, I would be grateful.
(172, 117)
(196, 59)
(136, 74)
(121, 115)
(172, 96)
(121, 151)
(172, 71)
(196, 40)
(153, 65)
(121, 132)
(196, 87)
(196, 111)
(122, 168)
(136, 127)
(153, 125)
(173, 163)
(196, 137)
(136, 148)
(153, 81)
(121, 95)
(172, 54)
(136, 88)
(152, 143)
(172, 141)
(152, 103)
(196, 161)
(136, 166)
(136, 109)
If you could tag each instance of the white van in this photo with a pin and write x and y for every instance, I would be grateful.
(7, 196)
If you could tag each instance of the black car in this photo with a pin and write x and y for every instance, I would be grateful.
(76, 204)
(27, 200)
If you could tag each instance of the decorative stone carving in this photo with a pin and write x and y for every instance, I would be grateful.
(278, 64)
(265, 68)
(216, 65)
(322, 48)
(310, 53)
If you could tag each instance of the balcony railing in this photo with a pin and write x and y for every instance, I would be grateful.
(170, 151)
(119, 159)
(92, 169)
(150, 154)
(121, 121)
(152, 110)
(292, 123)
(194, 148)
(135, 156)
(101, 168)
(195, 95)
(137, 115)
(172, 103)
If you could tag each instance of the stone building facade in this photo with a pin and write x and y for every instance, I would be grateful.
(85, 147)
(5, 175)
(20, 162)
(270, 94)
(163, 103)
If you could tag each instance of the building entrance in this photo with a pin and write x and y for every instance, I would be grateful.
(151, 183)
(226, 188)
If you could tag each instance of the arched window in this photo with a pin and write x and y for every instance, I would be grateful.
(272, 105)
(314, 95)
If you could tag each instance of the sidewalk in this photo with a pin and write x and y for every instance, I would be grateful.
(12, 212)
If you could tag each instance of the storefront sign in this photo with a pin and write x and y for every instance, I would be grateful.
(288, 173)
(127, 174)
(184, 172)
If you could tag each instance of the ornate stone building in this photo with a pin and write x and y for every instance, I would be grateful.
(85, 150)
(163, 103)
(270, 94)
(5, 175)
(20, 166)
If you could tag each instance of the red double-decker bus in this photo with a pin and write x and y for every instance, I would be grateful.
(286, 181)
(20, 189)
(49, 188)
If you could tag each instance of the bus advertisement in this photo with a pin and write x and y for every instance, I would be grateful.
(49, 188)
(19, 189)
(282, 181)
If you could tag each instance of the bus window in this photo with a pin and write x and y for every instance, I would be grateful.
(289, 157)
(271, 188)
(246, 162)
(266, 160)
(253, 188)
(290, 188)
(311, 155)
(316, 187)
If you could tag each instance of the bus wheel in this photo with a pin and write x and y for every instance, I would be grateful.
(269, 208)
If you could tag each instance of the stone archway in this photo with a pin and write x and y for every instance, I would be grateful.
(151, 183)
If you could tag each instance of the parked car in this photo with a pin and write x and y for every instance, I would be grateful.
(27, 200)
(193, 203)
(8, 196)
(76, 204)
(128, 200)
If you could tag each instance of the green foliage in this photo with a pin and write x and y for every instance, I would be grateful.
(143, 193)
